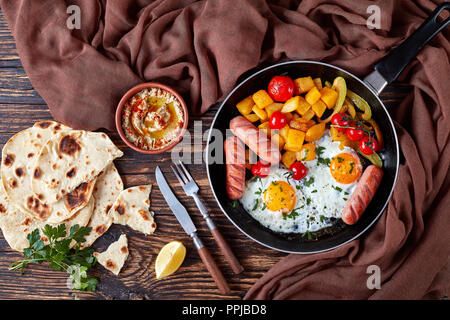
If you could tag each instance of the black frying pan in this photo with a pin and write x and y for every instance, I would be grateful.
(386, 71)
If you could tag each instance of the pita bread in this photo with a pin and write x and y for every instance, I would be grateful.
(69, 159)
(115, 256)
(18, 156)
(16, 225)
(73, 202)
(131, 208)
(107, 188)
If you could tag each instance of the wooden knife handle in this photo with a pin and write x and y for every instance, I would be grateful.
(227, 252)
(214, 270)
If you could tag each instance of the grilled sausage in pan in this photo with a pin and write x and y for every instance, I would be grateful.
(255, 139)
(363, 194)
(235, 167)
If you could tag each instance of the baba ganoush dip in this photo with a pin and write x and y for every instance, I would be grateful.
(152, 119)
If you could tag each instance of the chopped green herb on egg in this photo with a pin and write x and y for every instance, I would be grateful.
(309, 182)
(256, 204)
(352, 165)
(292, 214)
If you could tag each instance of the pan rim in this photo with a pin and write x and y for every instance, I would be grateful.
(396, 149)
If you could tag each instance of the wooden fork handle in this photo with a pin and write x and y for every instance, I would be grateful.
(214, 271)
(220, 240)
(227, 252)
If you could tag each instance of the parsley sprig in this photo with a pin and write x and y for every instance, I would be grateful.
(63, 252)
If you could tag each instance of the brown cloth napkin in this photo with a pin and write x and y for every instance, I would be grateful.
(201, 48)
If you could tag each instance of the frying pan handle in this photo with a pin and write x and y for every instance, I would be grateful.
(390, 67)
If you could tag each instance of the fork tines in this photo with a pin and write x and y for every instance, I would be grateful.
(181, 173)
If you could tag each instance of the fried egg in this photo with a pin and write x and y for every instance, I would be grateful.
(285, 205)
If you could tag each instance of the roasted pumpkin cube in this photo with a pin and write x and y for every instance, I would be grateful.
(271, 108)
(315, 132)
(262, 99)
(288, 158)
(294, 140)
(319, 108)
(260, 113)
(318, 83)
(307, 153)
(309, 114)
(252, 117)
(265, 127)
(301, 124)
(329, 97)
(277, 139)
(284, 132)
(290, 105)
(302, 85)
(336, 135)
(245, 106)
(303, 106)
(312, 96)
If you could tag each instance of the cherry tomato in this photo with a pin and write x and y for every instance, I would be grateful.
(281, 88)
(368, 145)
(261, 169)
(355, 134)
(340, 119)
(277, 120)
(299, 170)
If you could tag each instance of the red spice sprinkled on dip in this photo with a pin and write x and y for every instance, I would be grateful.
(152, 119)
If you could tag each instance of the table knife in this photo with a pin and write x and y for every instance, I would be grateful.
(186, 222)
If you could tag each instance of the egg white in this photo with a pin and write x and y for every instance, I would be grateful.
(319, 196)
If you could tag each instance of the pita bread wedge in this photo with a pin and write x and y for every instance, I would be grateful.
(16, 225)
(107, 188)
(18, 156)
(71, 203)
(69, 159)
(115, 256)
(131, 208)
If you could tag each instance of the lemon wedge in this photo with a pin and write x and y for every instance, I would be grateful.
(169, 259)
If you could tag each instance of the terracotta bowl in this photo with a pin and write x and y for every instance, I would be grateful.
(130, 93)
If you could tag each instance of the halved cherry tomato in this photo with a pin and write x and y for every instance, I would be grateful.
(355, 134)
(299, 170)
(368, 145)
(261, 169)
(281, 88)
(340, 119)
(277, 120)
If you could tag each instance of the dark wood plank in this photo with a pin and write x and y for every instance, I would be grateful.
(21, 106)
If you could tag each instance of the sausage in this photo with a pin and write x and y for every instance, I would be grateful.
(363, 194)
(235, 167)
(257, 140)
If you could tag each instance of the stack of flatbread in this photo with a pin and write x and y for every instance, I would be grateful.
(52, 174)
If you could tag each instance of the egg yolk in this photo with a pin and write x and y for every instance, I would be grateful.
(345, 168)
(280, 195)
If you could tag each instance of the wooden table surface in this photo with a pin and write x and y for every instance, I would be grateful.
(21, 106)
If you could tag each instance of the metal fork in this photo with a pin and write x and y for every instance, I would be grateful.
(190, 187)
